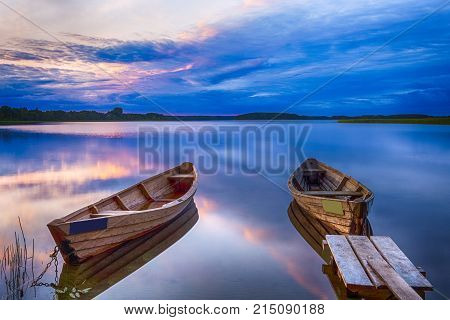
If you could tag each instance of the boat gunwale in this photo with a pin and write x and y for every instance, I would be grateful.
(189, 193)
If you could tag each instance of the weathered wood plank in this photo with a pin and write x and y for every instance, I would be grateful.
(311, 221)
(393, 280)
(342, 183)
(400, 262)
(121, 204)
(350, 268)
(181, 176)
(333, 193)
(94, 209)
(364, 250)
(145, 191)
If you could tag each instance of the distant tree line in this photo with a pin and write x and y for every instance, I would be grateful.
(9, 114)
(116, 114)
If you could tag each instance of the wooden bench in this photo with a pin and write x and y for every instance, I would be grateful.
(312, 172)
(333, 193)
(369, 264)
(181, 176)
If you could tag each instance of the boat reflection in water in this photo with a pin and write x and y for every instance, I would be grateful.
(101, 272)
(314, 232)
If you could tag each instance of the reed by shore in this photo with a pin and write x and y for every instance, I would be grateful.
(15, 266)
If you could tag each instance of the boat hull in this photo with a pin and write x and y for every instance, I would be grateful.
(352, 220)
(342, 214)
(106, 269)
(77, 248)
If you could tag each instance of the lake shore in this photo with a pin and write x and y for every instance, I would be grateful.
(438, 121)
(18, 116)
(427, 121)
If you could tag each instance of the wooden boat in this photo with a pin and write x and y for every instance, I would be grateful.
(331, 196)
(125, 215)
(99, 273)
(314, 231)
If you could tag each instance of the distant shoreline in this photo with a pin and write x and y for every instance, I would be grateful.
(434, 120)
(23, 116)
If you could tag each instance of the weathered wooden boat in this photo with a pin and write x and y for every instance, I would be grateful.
(99, 273)
(125, 215)
(314, 231)
(331, 196)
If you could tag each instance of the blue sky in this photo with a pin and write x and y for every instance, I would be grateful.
(226, 57)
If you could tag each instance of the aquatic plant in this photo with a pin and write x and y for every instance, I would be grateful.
(14, 266)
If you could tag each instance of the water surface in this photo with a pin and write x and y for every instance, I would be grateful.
(243, 245)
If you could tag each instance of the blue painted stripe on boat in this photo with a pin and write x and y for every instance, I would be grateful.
(88, 225)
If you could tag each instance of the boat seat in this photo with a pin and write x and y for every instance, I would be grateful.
(314, 187)
(313, 170)
(333, 193)
(109, 214)
(181, 176)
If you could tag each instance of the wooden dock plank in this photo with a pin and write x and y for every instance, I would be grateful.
(364, 250)
(398, 286)
(350, 268)
(400, 262)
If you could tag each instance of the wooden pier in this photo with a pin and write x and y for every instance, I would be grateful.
(372, 268)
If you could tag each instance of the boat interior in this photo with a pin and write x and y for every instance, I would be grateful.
(315, 179)
(152, 193)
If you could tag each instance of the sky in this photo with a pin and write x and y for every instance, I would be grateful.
(322, 57)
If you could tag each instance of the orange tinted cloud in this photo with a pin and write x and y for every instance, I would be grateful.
(203, 31)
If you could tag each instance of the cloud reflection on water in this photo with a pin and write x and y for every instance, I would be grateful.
(244, 234)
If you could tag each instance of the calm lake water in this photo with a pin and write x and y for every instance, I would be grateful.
(243, 245)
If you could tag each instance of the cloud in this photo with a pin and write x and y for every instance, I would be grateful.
(281, 50)
(264, 94)
(136, 51)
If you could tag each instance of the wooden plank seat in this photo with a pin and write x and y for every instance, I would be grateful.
(314, 187)
(372, 264)
(313, 172)
(181, 176)
(333, 193)
(108, 214)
